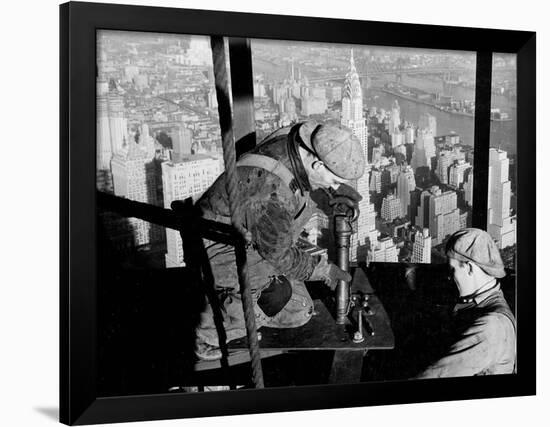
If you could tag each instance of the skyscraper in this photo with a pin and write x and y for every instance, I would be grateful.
(352, 117)
(422, 247)
(134, 178)
(409, 134)
(405, 184)
(375, 181)
(189, 177)
(289, 110)
(377, 153)
(366, 223)
(315, 225)
(146, 141)
(469, 187)
(444, 162)
(182, 141)
(313, 105)
(457, 173)
(112, 127)
(500, 224)
(424, 149)
(391, 208)
(444, 215)
(428, 121)
(352, 105)
(395, 119)
(393, 172)
(384, 250)
(397, 138)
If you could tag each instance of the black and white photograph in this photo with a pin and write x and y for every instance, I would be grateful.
(352, 192)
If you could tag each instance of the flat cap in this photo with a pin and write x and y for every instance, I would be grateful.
(336, 147)
(477, 246)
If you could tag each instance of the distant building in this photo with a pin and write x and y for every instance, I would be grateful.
(315, 225)
(366, 223)
(409, 134)
(397, 138)
(469, 188)
(450, 139)
(352, 105)
(112, 127)
(182, 142)
(130, 72)
(428, 121)
(141, 81)
(384, 250)
(438, 211)
(422, 247)
(189, 177)
(463, 220)
(377, 153)
(500, 224)
(146, 141)
(279, 93)
(259, 90)
(134, 178)
(376, 181)
(318, 92)
(313, 105)
(393, 172)
(334, 93)
(424, 150)
(400, 149)
(289, 111)
(444, 215)
(423, 209)
(391, 208)
(457, 173)
(296, 89)
(199, 51)
(405, 184)
(395, 119)
(445, 159)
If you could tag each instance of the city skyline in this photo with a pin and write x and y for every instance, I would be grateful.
(156, 98)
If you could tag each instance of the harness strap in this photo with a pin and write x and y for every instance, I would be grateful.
(269, 164)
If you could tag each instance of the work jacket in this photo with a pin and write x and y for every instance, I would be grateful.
(485, 340)
(272, 210)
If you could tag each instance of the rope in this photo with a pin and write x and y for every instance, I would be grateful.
(229, 157)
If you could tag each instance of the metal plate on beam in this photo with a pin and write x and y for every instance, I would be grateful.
(322, 333)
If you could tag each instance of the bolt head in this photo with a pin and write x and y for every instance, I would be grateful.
(358, 337)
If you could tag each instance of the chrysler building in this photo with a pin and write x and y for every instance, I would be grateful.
(352, 117)
(352, 106)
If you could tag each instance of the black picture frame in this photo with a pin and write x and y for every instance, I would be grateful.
(79, 402)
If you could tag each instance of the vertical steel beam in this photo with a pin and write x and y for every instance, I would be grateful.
(242, 92)
(482, 134)
(526, 213)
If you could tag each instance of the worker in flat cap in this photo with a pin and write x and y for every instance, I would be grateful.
(484, 340)
(274, 204)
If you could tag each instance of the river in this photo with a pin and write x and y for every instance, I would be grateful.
(503, 134)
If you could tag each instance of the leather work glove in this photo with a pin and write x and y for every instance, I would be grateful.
(329, 273)
(347, 196)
